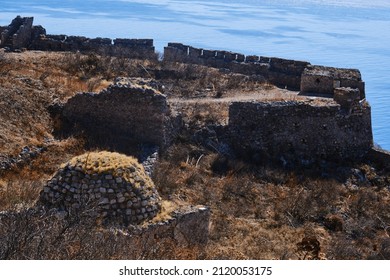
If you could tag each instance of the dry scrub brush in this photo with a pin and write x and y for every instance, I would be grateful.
(260, 211)
(40, 234)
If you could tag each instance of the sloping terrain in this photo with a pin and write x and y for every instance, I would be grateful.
(267, 211)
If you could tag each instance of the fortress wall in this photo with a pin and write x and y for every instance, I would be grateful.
(16, 33)
(281, 72)
(323, 80)
(291, 74)
(260, 130)
(22, 34)
(132, 48)
(120, 117)
(379, 157)
(286, 73)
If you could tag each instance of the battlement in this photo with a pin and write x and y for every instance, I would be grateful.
(21, 34)
(281, 72)
(284, 73)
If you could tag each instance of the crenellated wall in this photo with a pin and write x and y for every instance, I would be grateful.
(285, 73)
(281, 72)
(132, 48)
(21, 34)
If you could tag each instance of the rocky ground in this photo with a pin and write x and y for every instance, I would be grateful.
(322, 211)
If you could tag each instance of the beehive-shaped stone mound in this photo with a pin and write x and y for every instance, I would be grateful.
(109, 185)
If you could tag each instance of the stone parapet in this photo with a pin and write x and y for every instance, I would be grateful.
(324, 80)
(281, 72)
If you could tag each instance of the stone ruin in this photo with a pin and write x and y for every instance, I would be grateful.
(322, 80)
(280, 72)
(19, 33)
(22, 34)
(109, 185)
(131, 116)
(298, 131)
(285, 73)
(127, 117)
(139, 115)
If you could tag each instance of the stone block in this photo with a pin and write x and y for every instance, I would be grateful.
(346, 97)
(323, 80)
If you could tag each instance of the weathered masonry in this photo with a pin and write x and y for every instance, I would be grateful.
(124, 116)
(286, 73)
(303, 130)
(22, 34)
(324, 80)
(278, 71)
(121, 117)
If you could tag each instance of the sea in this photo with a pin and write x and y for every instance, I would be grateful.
(342, 33)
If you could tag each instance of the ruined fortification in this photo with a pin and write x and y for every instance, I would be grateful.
(281, 72)
(123, 116)
(21, 34)
(127, 115)
(300, 130)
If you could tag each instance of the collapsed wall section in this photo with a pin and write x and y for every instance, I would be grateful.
(18, 34)
(121, 117)
(301, 130)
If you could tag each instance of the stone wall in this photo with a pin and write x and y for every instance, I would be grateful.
(22, 34)
(300, 130)
(281, 72)
(17, 34)
(25, 156)
(111, 186)
(188, 226)
(324, 80)
(286, 73)
(121, 117)
(379, 157)
(133, 48)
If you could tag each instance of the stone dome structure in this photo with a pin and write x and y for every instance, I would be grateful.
(109, 185)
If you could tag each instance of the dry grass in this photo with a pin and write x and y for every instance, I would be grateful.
(103, 162)
(259, 212)
(18, 194)
(37, 234)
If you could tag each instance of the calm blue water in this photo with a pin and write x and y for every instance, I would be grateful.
(343, 33)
